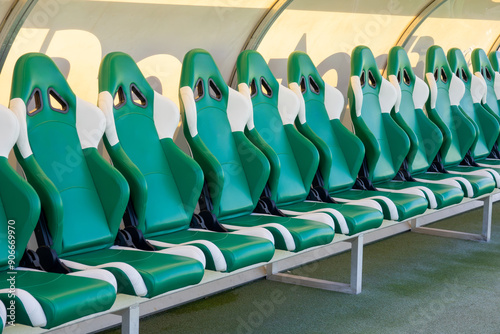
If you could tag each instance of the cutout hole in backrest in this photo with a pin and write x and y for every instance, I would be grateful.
(444, 78)
(265, 88)
(457, 73)
(406, 77)
(213, 90)
(253, 88)
(137, 97)
(436, 74)
(313, 85)
(199, 90)
(465, 77)
(371, 79)
(56, 102)
(362, 79)
(35, 102)
(398, 76)
(303, 87)
(488, 74)
(119, 100)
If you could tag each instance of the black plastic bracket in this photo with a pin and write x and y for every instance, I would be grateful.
(138, 239)
(42, 234)
(469, 160)
(268, 207)
(494, 154)
(31, 259)
(205, 201)
(130, 217)
(437, 165)
(50, 262)
(123, 238)
(207, 221)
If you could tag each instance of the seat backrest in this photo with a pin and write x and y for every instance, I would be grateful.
(425, 137)
(57, 149)
(214, 119)
(487, 127)
(371, 98)
(293, 159)
(443, 107)
(19, 204)
(481, 65)
(139, 139)
(321, 106)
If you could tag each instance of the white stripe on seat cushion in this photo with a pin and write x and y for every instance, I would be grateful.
(31, 305)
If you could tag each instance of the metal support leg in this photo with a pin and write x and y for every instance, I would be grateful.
(484, 236)
(356, 273)
(487, 212)
(130, 320)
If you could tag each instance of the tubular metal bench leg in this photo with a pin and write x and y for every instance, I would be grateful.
(486, 228)
(356, 273)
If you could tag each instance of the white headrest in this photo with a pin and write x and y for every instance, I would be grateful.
(19, 108)
(9, 131)
(358, 93)
(90, 123)
(334, 102)
(105, 103)
(166, 116)
(187, 98)
(294, 87)
(433, 88)
(239, 110)
(420, 93)
(394, 81)
(456, 90)
(288, 105)
(478, 88)
(387, 96)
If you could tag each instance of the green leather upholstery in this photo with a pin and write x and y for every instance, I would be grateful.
(488, 69)
(341, 152)
(487, 127)
(165, 182)
(293, 159)
(425, 137)
(443, 106)
(236, 172)
(83, 197)
(42, 299)
(371, 99)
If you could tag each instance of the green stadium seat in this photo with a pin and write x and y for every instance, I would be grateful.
(371, 99)
(165, 183)
(425, 137)
(459, 131)
(236, 172)
(34, 297)
(83, 197)
(485, 123)
(341, 152)
(294, 160)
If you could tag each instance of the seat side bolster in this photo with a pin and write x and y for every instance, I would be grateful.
(255, 165)
(305, 153)
(434, 138)
(271, 156)
(212, 169)
(397, 140)
(352, 148)
(187, 174)
(135, 180)
(21, 204)
(111, 186)
(326, 158)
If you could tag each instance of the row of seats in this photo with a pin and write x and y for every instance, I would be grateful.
(272, 168)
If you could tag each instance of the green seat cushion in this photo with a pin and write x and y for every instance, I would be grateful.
(161, 272)
(63, 298)
(444, 195)
(239, 250)
(487, 172)
(479, 185)
(305, 233)
(358, 218)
